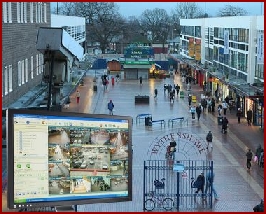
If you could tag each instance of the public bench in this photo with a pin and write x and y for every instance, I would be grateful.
(142, 99)
(162, 122)
(177, 119)
(142, 117)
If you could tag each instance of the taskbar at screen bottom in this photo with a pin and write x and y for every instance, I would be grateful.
(72, 197)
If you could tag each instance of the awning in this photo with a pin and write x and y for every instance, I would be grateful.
(138, 66)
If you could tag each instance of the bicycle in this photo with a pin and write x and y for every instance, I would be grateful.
(166, 202)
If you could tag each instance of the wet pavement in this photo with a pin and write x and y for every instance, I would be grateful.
(238, 189)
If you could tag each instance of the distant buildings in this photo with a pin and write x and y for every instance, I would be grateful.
(226, 53)
(22, 64)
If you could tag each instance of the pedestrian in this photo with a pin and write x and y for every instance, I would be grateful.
(224, 106)
(199, 183)
(155, 93)
(238, 114)
(172, 148)
(140, 80)
(117, 77)
(249, 117)
(209, 184)
(249, 158)
(198, 111)
(110, 107)
(224, 125)
(220, 109)
(209, 105)
(193, 111)
(209, 139)
(258, 152)
(78, 96)
(189, 99)
(171, 96)
(213, 104)
(261, 159)
(203, 104)
(259, 207)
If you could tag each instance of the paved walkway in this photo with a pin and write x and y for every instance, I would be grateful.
(238, 189)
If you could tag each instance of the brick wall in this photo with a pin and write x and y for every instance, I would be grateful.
(19, 43)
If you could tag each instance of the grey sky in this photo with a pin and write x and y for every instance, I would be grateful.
(136, 8)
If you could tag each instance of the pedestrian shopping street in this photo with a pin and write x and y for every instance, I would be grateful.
(238, 189)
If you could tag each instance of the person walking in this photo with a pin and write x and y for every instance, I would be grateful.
(224, 125)
(209, 139)
(209, 184)
(110, 107)
(78, 96)
(155, 93)
(258, 152)
(193, 111)
(199, 183)
(189, 99)
(172, 148)
(224, 106)
(140, 80)
(249, 117)
(198, 111)
(238, 114)
(259, 207)
(249, 158)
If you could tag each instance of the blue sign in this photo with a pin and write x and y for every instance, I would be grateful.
(178, 167)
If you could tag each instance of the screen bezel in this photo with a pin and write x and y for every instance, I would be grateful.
(10, 158)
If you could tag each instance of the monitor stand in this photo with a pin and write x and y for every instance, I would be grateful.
(66, 208)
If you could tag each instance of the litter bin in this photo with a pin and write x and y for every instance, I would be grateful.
(220, 120)
(95, 88)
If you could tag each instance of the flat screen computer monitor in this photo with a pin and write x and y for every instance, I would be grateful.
(59, 158)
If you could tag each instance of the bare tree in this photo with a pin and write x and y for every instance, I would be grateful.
(229, 10)
(187, 10)
(103, 21)
(158, 22)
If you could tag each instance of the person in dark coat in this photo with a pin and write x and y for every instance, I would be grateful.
(224, 124)
(249, 117)
(198, 111)
(259, 207)
(213, 104)
(238, 114)
(140, 80)
(200, 182)
(249, 158)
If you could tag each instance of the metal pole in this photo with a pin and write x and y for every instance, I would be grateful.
(50, 80)
(57, 8)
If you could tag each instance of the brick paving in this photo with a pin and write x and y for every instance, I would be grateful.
(238, 189)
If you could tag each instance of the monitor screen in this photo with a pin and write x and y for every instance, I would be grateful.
(59, 158)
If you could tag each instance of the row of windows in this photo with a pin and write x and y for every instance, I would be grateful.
(235, 34)
(24, 72)
(22, 12)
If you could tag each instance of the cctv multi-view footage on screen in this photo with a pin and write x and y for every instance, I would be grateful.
(59, 158)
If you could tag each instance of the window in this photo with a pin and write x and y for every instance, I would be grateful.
(22, 72)
(25, 12)
(10, 75)
(6, 80)
(40, 63)
(18, 12)
(31, 67)
(44, 12)
(21, 12)
(37, 64)
(31, 12)
(9, 12)
(36, 12)
(26, 70)
(4, 12)
(19, 73)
